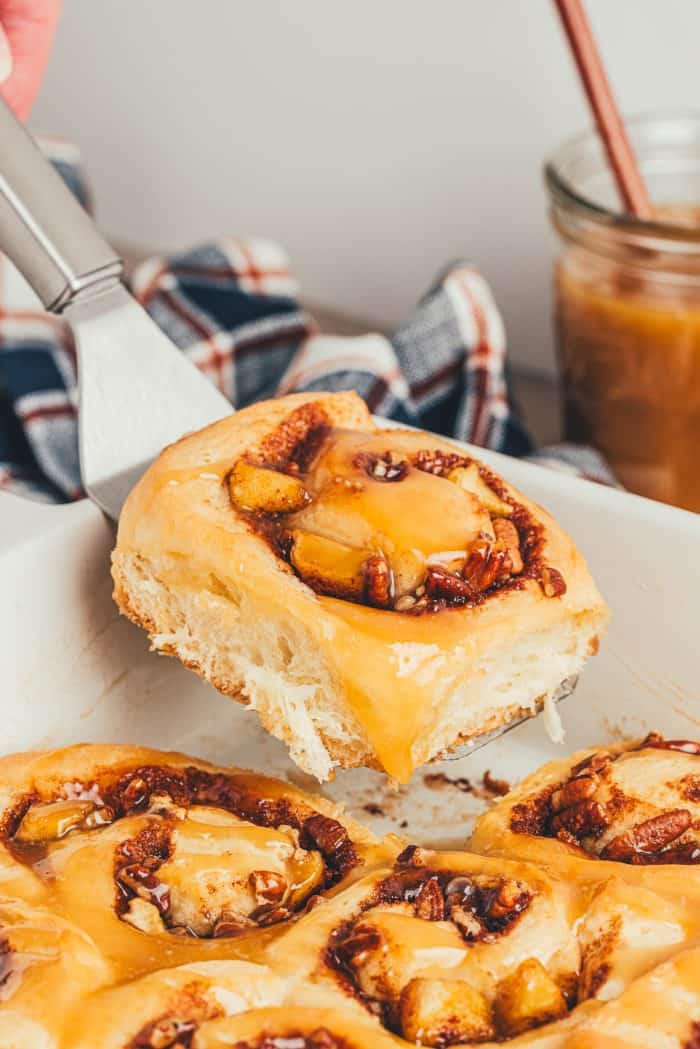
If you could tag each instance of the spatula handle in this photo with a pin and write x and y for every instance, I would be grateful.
(43, 229)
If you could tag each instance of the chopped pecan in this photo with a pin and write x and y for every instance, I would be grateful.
(99, 818)
(505, 900)
(413, 856)
(440, 583)
(268, 886)
(439, 463)
(552, 582)
(648, 837)
(574, 790)
(354, 949)
(272, 917)
(379, 581)
(430, 903)
(583, 820)
(595, 763)
(467, 923)
(331, 839)
(136, 794)
(230, 925)
(507, 538)
(387, 467)
(139, 880)
(487, 565)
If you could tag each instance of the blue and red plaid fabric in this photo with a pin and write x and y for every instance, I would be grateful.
(232, 306)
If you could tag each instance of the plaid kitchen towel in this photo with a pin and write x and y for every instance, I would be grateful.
(232, 306)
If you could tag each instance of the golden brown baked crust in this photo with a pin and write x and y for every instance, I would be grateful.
(377, 947)
(383, 609)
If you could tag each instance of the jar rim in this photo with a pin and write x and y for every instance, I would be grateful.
(565, 194)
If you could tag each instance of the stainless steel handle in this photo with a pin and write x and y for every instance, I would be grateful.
(43, 228)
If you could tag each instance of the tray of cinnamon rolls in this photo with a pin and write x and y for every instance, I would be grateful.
(291, 834)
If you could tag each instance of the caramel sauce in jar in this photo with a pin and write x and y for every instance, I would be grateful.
(629, 352)
(627, 309)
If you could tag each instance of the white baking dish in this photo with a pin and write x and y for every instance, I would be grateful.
(71, 669)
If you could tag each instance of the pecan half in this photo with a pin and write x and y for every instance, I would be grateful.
(687, 854)
(648, 837)
(331, 839)
(430, 903)
(552, 582)
(441, 584)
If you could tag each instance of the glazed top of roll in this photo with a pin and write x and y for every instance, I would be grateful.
(127, 841)
(636, 804)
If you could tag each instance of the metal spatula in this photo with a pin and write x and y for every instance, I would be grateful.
(137, 391)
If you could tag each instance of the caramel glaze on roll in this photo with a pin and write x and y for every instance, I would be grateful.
(453, 948)
(152, 901)
(377, 596)
(129, 842)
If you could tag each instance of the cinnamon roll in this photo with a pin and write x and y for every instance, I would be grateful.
(294, 1028)
(130, 842)
(188, 1006)
(153, 901)
(46, 965)
(658, 1011)
(453, 948)
(377, 596)
(631, 808)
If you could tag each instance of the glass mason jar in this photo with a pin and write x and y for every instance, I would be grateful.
(627, 307)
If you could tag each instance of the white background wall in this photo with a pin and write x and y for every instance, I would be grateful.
(375, 139)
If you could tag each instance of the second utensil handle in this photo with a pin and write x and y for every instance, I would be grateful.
(43, 228)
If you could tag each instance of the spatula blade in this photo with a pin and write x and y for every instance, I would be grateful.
(563, 692)
(138, 393)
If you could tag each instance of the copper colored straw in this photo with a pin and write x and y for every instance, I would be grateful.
(610, 127)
